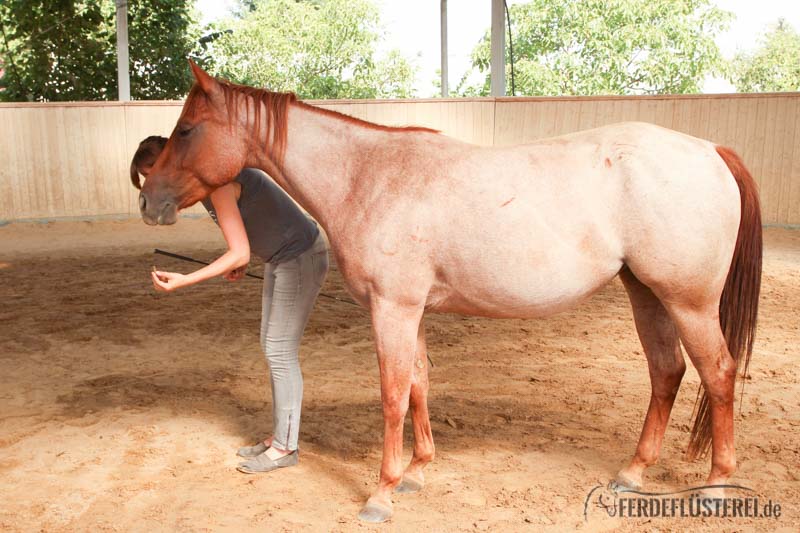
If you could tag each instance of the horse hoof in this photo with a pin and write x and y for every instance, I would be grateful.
(624, 484)
(375, 512)
(709, 494)
(408, 485)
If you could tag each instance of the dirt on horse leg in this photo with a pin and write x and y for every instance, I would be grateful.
(704, 342)
(395, 330)
(661, 344)
(413, 477)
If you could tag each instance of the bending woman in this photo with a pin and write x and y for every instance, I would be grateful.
(255, 215)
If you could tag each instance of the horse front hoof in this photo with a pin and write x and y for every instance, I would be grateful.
(409, 485)
(375, 512)
(624, 484)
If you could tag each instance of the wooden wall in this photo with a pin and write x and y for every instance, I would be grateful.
(71, 160)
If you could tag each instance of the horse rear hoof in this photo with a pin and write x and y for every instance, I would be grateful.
(408, 485)
(710, 493)
(375, 513)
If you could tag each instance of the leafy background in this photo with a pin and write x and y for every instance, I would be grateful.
(53, 50)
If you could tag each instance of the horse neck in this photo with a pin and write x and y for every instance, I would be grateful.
(322, 152)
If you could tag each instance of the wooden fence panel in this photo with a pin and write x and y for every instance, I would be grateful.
(72, 159)
(56, 161)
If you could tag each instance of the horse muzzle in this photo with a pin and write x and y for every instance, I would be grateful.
(161, 213)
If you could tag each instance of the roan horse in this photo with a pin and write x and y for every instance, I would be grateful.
(418, 221)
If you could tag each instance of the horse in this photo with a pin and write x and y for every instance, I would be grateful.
(422, 222)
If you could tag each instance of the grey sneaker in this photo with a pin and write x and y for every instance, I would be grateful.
(252, 451)
(262, 463)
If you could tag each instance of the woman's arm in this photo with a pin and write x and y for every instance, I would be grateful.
(237, 256)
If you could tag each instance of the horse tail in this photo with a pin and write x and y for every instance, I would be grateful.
(738, 306)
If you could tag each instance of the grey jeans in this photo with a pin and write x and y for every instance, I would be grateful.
(290, 290)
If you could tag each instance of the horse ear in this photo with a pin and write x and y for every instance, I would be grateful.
(207, 83)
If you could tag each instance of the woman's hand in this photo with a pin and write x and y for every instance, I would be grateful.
(168, 281)
(236, 274)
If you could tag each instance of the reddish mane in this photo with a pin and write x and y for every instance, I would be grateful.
(277, 107)
(365, 123)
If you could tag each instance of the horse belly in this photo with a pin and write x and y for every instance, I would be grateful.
(520, 289)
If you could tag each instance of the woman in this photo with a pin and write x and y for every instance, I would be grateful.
(255, 215)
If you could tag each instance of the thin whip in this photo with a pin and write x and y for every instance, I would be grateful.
(193, 260)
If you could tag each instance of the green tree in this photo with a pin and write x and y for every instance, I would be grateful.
(59, 50)
(773, 67)
(315, 48)
(584, 47)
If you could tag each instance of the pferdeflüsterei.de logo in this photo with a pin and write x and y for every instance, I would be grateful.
(621, 502)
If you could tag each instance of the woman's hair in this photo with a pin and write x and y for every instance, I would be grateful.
(147, 153)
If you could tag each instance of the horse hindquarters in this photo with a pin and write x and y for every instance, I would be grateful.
(714, 319)
(738, 306)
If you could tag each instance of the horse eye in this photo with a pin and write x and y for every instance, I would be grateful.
(185, 132)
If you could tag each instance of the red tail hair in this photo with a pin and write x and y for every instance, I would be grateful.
(738, 307)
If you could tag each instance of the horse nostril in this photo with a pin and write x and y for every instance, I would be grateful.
(142, 201)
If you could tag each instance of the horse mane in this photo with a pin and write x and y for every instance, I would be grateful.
(365, 123)
(277, 109)
(277, 105)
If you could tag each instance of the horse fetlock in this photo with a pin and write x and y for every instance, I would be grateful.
(390, 478)
(413, 481)
(721, 470)
(422, 456)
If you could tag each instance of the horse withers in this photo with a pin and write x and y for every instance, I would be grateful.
(422, 222)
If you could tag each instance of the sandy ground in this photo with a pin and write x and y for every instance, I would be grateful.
(121, 409)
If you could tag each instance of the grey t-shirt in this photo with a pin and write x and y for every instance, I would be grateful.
(277, 229)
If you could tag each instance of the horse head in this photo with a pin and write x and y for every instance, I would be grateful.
(206, 150)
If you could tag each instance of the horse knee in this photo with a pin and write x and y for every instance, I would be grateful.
(394, 410)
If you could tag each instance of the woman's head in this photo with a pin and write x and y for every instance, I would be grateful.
(145, 156)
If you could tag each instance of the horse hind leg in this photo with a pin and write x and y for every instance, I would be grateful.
(700, 331)
(661, 343)
(413, 477)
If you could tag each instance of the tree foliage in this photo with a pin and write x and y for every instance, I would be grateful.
(583, 47)
(57, 50)
(315, 48)
(774, 66)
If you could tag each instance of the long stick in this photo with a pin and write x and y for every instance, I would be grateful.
(192, 260)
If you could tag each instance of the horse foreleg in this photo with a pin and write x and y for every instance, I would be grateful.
(395, 329)
(661, 344)
(413, 477)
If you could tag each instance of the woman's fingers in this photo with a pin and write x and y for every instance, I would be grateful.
(235, 274)
(161, 280)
